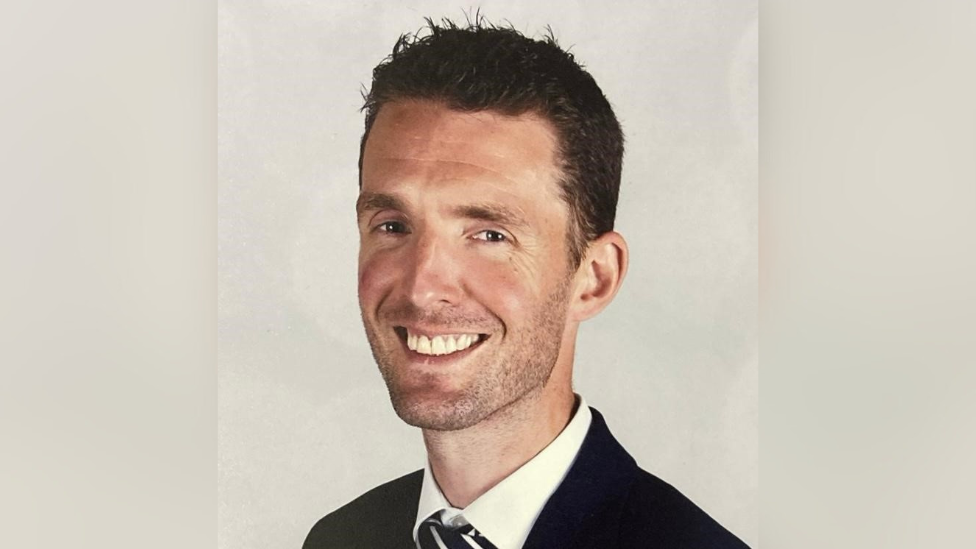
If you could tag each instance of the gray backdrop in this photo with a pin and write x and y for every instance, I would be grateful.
(304, 421)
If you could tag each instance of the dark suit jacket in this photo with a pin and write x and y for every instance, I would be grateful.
(604, 502)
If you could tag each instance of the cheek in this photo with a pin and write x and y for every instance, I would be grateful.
(374, 276)
(502, 286)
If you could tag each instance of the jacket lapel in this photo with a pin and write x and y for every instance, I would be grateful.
(587, 505)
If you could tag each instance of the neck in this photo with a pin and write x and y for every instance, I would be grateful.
(469, 462)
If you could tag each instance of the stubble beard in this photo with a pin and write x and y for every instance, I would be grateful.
(530, 355)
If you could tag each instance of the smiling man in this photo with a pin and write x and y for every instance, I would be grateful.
(489, 173)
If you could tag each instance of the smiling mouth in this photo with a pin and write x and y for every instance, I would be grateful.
(439, 345)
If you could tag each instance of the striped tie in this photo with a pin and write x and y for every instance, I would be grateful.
(434, 535)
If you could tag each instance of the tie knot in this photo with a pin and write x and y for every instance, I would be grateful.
(434, 534)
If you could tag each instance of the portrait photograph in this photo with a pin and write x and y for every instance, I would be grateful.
(429, 274)
(487, 274)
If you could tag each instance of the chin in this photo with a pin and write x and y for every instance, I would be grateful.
(435, 413)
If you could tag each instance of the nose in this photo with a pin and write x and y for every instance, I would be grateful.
(432, 273)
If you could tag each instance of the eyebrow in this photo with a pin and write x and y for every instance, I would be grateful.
(376, 201)
(486, 211)
(494, 213)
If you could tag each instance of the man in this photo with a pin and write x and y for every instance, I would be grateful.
(489, 173)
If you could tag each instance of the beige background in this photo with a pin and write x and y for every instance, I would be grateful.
(108, 277)
(304, 421)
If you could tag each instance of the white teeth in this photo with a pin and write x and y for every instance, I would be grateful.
(440, 345)
(423, 345)
(437, 346)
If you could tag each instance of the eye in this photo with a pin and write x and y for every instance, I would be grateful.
(391, 227)
(491, 236)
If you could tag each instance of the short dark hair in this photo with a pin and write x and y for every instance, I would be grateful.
(481, 66)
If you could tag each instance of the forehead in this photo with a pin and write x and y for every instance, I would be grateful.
(427, 143)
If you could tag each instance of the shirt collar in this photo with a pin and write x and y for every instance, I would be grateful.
(506, 513)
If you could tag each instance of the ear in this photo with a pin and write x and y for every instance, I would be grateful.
(599, 275)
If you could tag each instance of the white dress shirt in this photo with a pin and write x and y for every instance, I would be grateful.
(506, 513)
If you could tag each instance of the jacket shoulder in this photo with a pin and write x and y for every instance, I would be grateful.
(657, 514)
(382, 517)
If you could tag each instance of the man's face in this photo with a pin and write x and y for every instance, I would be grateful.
(464, 273)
